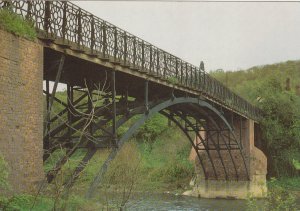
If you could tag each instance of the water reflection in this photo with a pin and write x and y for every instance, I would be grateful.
(169, 202)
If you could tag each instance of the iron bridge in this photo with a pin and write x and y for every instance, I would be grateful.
(114, 78)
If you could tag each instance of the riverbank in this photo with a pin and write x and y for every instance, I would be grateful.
(138, 200)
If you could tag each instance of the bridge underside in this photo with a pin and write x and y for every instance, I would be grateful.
(100, 101)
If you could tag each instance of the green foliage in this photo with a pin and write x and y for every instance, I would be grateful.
(278, 198)
(24, 202)
(288, 183)
(3, 173)
(122, 175)
(53, 158)
(4, 185)
(253, 204)
(296, 164)
(78, 203)
(173, 80)
(280, 127)
(87, 176)
(56, 188)
(165, 161)
(172, 172)
(15, 24)
(153, 128)
(244, 82)
(121, 171)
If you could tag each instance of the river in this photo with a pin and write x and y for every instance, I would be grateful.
(172, 202)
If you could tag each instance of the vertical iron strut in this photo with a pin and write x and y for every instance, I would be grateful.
(114, 108)
(47, 128)
(51, 100)
(147, 96)
(126, 100)
(58, 75)
(241, 127)
(90, 105)
(69, 110)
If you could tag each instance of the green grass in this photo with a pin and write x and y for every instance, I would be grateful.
(165, 163)
(24, 202)
(289, 183)
(15, 24)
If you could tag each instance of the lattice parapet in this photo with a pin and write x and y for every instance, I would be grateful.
(68, 24)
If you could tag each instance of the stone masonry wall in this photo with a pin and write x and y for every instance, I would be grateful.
(21, 110)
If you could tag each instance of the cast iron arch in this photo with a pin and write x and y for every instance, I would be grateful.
(148, 114)
(217, 125)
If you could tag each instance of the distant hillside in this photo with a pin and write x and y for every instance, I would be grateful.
(244, 82)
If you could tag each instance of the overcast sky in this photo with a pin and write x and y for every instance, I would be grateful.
(224, 35)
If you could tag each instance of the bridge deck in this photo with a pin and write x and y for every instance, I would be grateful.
(64, 27)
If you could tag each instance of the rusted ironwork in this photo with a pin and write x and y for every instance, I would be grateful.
(69, 24)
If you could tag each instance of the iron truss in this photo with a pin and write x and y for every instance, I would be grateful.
(69, 25)
(91, 117)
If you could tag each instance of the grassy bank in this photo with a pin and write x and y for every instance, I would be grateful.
(288, 183)
(15, 24)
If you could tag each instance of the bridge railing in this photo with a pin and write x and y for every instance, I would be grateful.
(70, 25)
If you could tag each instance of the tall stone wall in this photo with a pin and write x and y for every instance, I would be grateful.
(21, 110)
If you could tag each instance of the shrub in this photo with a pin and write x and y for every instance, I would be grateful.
(278, 198)
(15, 24)
(122, 175)
(280, 127)
(177, 170)
(153, 128)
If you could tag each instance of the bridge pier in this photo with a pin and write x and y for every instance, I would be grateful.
(21, 111)
(232, 187)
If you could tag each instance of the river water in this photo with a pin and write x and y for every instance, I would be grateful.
(172, 202)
